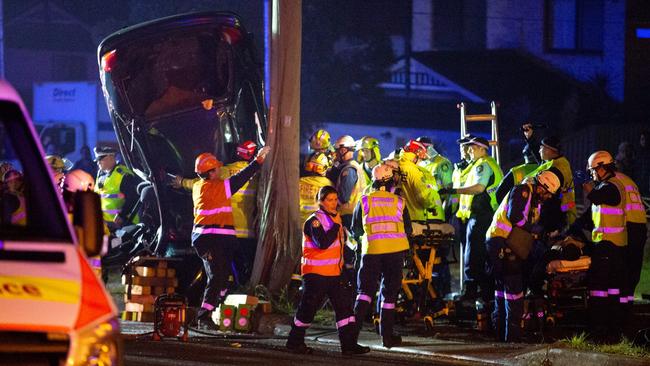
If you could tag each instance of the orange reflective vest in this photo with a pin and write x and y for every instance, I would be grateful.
(212, 207)
(324, 262)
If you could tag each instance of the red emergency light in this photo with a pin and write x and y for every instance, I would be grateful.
(108, 61)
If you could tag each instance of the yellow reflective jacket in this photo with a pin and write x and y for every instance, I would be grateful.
(112, 199)
(634, 209)
(465, 208)
(383, 223)
(418, 189)
(309, 187)
(242, 201)
(609, 221)
(567, 191)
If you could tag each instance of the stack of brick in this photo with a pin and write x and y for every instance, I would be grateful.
(142, 287)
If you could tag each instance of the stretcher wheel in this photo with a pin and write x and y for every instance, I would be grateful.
(550, 321)
(375, 322)
(428, 323)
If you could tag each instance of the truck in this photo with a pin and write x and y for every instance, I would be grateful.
(55, 310)
(177, 87)
(69, 115)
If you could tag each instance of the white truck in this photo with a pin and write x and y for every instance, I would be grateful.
(53, 309)
(69, 115)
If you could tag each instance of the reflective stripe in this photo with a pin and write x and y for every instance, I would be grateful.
(223, 292)
(540, 314)
(300, 324)
(595, 293)
(343, 322)
(112, 195)
(386, 236)
(207, 306)
(320, 262)
(248, 192)
(243, 232)
(214, 211)
(498, 294)
(630, 188)
(312, 245)
(630, 297)
(609, 230)
(374, 219)
(623, 300)
(613, 291)
(226, 184)
(504, 226)
(364, 202)
(388, 305)
(611, 211)
(213, 230)
(95, 262)
(310, 208)
(113, 212)
(513, 296)
(17, 217)
(634, 207)
(364, 297)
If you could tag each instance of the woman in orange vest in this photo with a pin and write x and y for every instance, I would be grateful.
(322, 260)
(213, 235)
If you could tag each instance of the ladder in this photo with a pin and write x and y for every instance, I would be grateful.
(492, 117)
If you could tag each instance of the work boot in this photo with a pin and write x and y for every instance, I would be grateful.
(299, 348)
(356, 349)
(392, 340)
(348, 337)
(296, 341)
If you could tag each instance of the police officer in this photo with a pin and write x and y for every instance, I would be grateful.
(311, 182)
(244, 207)
(476, 205)
(213, 234)
(117, 188)
(519, 210)
(607, 273)
(322, 262)
(381, 222)
(418, 184)
(438, 165)
(369, 155)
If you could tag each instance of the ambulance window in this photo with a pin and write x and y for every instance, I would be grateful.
(29, 205)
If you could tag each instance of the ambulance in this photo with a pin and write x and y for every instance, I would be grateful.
(53, 309)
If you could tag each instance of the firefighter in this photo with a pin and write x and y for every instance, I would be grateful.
(243, 210)
(213, 234)
(418, 184)
(117, 188)
(59, 166)
(476, 206)
(519, 209)
(321, 268)
(320, 143)
(607, 273)
(369, 155)
(381, 223)
(12, 197)
(438, 165)
(311, 182)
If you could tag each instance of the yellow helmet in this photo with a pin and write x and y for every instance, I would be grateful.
(58, 164)
(317, 163)
(370, 143)
(320, 140)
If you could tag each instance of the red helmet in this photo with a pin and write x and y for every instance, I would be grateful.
(246, 150)
(413, 146)
(206, 162)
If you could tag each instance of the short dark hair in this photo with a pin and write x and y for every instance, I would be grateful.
(325, 191)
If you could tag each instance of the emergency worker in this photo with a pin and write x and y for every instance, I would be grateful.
(422, 200)
(458, 176)
(438, 165)
(117, 188)
(59, 166)
(350, 180)
(381, 223)
(310, 184)
(213, 234)
(369, 155)
(14, 210)
(321, 268)
(477, 205)
(607, 273)
(520, 209)
(531, 161)
(320, 143)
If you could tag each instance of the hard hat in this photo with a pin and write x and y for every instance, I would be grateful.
(317, 163)
(548, 180)
(382, 172)
(425, 140)
(246, 150)
(346, 141)
(428, 143)
(206, 162)
(413, 146)
(599, 158)
(58, 164)
(320, 140)
(10, 175)
(367, 142)
(78, 180)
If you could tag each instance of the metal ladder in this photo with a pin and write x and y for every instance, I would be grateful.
(492, 117)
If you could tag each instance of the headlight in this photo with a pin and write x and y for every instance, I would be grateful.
(97, 345)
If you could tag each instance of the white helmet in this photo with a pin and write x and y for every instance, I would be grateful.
(78, 180)
(599, 158)
(345, 141)
(548, 180)
(382, 172)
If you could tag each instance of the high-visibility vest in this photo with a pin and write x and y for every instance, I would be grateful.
(465, 203)
(348, 207)
(112, 199)
(501, 226)
(458, 178)
(418, 189)
(520, 172)
(435, 168)
(324, 262)
(19, 216)
(309, 187)
(567, 191)
(609, 221)
(634, 209)
(213, 208)
(383, 223)
(242, 201)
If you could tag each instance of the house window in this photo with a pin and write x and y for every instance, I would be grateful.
(574, 25)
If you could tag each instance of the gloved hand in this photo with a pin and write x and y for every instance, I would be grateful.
(442, 191)
(261, 154)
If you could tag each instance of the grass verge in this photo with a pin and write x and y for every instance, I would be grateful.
(623, 348)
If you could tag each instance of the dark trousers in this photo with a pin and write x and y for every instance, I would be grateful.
(315, 289)
(216, 251)
(605, 279)
(388, 268)
(637, 234)
(476, 256)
